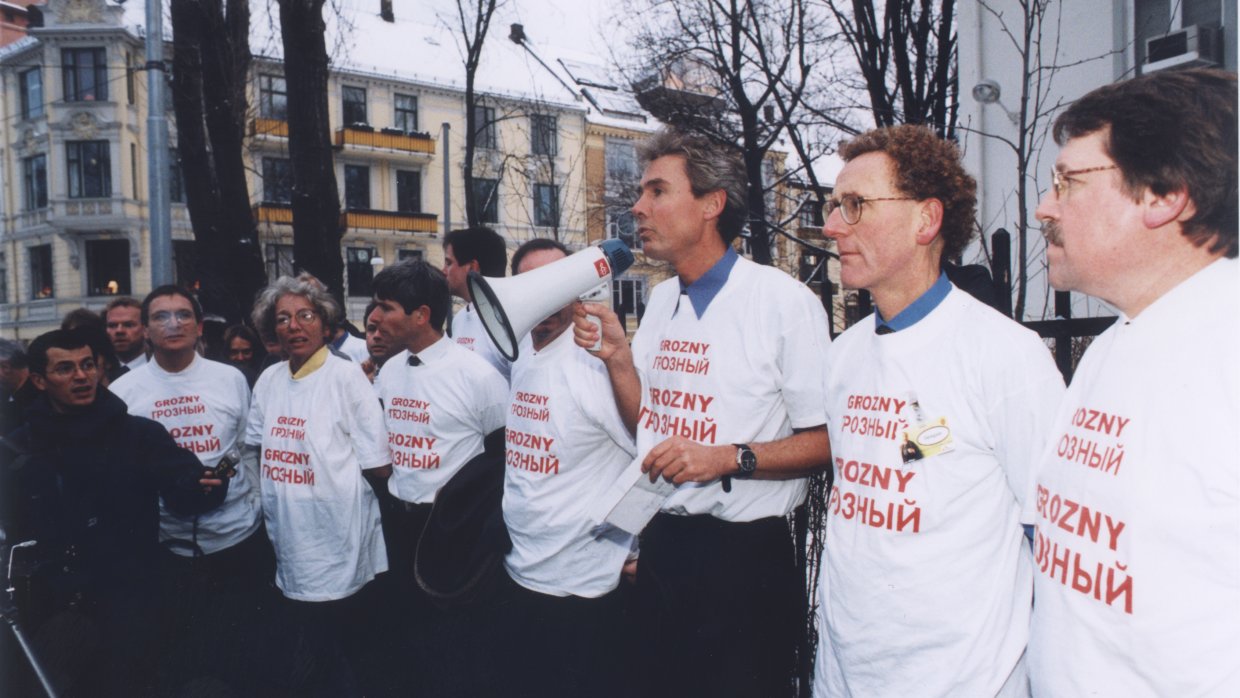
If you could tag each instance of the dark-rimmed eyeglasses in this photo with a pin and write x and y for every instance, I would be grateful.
(1062, 181)
(850, 205)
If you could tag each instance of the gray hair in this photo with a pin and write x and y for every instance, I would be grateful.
(13, 353)
(305, 285)
(710, 167)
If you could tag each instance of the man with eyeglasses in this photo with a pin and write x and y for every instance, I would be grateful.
(1137, 508)
(217, 564)
(84, 479)
(937, 407)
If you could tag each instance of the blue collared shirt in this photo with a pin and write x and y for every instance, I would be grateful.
(704, 290)
(918, 309)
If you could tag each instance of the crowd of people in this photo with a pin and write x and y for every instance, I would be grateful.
(271, 515)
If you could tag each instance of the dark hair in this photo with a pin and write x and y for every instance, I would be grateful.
(710, 167)
(13, 353)
(535, 245)
(170, 290)
(414, 283)
(482, 245)
(370, 308)
(122, 302)
(926, 167)
(305, 285)
(83, 317)
(244, 332)
(75, 338)
(1170, 131)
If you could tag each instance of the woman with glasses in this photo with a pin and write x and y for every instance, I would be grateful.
(318, 425)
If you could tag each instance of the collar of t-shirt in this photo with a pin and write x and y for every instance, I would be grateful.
(433, 353)
(314, 363)
(704, 290)
(916, 310)
(159, 370)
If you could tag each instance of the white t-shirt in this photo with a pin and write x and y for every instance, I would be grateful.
(317, 434)
(138, 362)
(354, 348)
(204, 408)
(1137, 506)
(467, 331)
(566, 441)
(749, 371)
(925, 584)
(437, 415)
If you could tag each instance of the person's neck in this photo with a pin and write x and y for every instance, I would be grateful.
(539, 345)
(174, 361)
(423, 340)
(130, 357)
(695, 266)
(891, 299)
(1166, 270)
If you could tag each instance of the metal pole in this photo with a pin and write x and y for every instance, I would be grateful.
(157, 148)
(447, 180)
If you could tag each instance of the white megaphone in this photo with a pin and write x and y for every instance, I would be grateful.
(510, 307)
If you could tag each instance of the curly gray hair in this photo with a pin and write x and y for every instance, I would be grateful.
(710, 167)
(305, 285)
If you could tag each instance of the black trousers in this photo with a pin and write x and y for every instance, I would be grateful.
(565, 646)
(719, 608)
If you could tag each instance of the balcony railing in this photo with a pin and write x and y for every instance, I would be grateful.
(269, 212)
(269, 127)
(385, 138)
(390, 220)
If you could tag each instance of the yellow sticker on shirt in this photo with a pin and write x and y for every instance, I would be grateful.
(928, 438)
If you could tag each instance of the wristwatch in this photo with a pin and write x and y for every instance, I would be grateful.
(746, 460)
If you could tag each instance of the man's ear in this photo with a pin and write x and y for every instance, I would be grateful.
(1167, 208)
(715, 202)
(929, 220)
(39, 381)
(474, 266)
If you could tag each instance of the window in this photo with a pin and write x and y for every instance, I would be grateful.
(272, 97)
(543, 139)
(402, 255)
(85, 74)
(279, 261)
(486, 195)
(4, 278)
(130, 69)
(622, 173)
(810, 214)
(185, 263)
(546, 205)
(90, 169)
(31, 93)
(41, 272)
(356, 187)
(406, 113)
(277, 181)
(1153, 18)
(176, 178)
(484, 128)
(628, 296)
(107, 267)
(357, 260)
(34, 175)
(408, 191)
(354, 101)
(133, 168)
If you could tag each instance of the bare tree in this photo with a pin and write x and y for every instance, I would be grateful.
(211, 58)
(473, 23)
(317, 229)
(906, 57)
(735, 71)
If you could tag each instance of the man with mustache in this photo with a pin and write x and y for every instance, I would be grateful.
(938, 406)
(1137, 500)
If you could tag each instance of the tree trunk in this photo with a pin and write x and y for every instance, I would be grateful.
(317, 225)
(210, 63)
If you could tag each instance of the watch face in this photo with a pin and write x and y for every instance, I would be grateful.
(748, 461)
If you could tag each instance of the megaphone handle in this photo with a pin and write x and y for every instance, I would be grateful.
(598, 327)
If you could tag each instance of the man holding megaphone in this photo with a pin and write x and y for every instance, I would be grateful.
(723, 389)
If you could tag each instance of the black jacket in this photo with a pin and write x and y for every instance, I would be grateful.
(87, 485)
